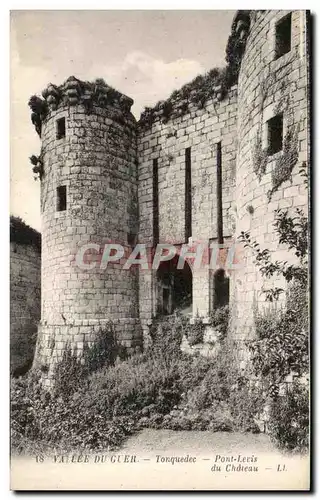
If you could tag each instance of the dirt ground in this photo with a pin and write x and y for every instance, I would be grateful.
(152, 441)
(171, 460)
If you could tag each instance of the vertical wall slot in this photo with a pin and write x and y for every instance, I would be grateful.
(219, 195)
(61, 198)
(61, 128)
(188, 195)
(155, 192)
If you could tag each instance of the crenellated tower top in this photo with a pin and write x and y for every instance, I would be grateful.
(73, 92)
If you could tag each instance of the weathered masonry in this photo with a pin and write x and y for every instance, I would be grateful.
(214, 159)
(25, 297)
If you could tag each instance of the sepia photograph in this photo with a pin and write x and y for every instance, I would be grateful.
(160, 250)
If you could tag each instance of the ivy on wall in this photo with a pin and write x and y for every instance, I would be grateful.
(288, 158)
(236, 44)
(23, 234)
(284, 163)
(259, 156)
(282, 171)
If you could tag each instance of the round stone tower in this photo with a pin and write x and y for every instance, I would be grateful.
(272, 148)
(88, 173)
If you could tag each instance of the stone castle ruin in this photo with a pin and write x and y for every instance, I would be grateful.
(215, 159)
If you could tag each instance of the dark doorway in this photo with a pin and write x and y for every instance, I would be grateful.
(221, 290)
(174, 288)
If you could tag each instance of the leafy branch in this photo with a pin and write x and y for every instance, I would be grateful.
(282, 344)
(292, 231)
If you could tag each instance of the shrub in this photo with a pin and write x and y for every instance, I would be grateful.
(289, 424)
(220, 319)
(195, 331)
(27, 400)
(132, 385)
(162, 388)
(224, 394)
(282, 345)
(167, 335)
(40, 420)
(72, 371)
(246, 404)
(63, 416)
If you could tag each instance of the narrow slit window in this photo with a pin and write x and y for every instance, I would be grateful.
(155, 189)
(61, 128)
(275, 134)
(61, 198)
(283, 36)
(219, 194)
(188, 195)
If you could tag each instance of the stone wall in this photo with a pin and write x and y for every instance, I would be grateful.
(267, 87)
(167, 141)
(25, 304)
(200, 130)
(96, 161)
(254, 183)
(106, 161)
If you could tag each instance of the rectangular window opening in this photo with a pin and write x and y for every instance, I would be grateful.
(219, 195)
(275, 134)
(188, 195)
(61, 128)
(283, 36)
(155, 195)
(61, 198)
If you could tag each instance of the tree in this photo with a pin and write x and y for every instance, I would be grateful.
(282, 345)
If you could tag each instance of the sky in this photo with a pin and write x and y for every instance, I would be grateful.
(144, 54)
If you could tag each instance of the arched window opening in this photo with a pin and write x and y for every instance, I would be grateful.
(174, 288)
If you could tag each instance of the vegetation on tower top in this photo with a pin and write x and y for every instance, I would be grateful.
(215, 84)
(74, 91)
(23, 234)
